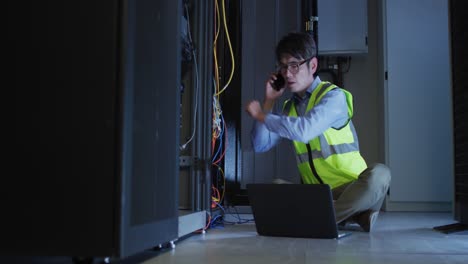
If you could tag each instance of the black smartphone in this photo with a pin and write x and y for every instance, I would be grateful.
(279, 82)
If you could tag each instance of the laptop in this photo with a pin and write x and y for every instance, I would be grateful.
(294, 210)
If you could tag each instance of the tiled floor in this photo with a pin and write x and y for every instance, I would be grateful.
(397, 238)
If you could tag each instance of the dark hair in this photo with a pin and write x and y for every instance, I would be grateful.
(297, 44)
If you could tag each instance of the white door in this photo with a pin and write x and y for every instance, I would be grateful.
(419, 141)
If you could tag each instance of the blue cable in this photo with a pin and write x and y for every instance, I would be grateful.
(240, 220)
(214, 223)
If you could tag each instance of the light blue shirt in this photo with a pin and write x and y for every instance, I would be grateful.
(331, 111)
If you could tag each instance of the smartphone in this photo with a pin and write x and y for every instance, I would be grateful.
(279, 82)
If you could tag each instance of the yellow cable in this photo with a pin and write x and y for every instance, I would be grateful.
(217, 21)
(230, 50)
(215, 47)
(216, 69)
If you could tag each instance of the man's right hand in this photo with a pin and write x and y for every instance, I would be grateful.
(255, 110)
(270, 93)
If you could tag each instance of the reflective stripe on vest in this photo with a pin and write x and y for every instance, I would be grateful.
(328, 150)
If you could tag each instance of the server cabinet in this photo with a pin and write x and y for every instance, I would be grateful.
(94, 161)
(459, 40)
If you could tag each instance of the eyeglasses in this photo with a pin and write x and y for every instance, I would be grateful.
(292, 67)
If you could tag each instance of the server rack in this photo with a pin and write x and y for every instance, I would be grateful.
(95, 157)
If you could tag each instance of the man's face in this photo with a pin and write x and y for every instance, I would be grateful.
(298, 75)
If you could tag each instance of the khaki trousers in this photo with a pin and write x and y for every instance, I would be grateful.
(367, 192)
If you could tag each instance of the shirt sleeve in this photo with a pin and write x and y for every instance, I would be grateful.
(331, 111)
(263, 139)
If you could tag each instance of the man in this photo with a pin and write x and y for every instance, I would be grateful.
(318, 121)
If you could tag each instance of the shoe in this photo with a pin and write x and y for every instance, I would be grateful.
(367, 219)
(347, 222)
(342, 224)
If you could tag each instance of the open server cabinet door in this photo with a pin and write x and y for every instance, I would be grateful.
(94, 162)
(150, 124)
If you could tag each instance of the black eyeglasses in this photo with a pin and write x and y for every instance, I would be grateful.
(292, 67)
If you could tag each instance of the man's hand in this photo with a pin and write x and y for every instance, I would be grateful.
(255, 110)
(253, 107)
(270, 93)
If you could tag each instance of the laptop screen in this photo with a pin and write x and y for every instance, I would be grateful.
(293, 210)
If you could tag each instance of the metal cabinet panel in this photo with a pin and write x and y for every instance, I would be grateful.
(342, 27)
(263, 24)
(150, 127)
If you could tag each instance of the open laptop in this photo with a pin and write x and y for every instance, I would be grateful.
(294, 210)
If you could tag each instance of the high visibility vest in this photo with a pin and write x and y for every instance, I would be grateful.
(333, 157)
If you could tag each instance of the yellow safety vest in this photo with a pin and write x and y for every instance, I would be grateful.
(333, 157)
